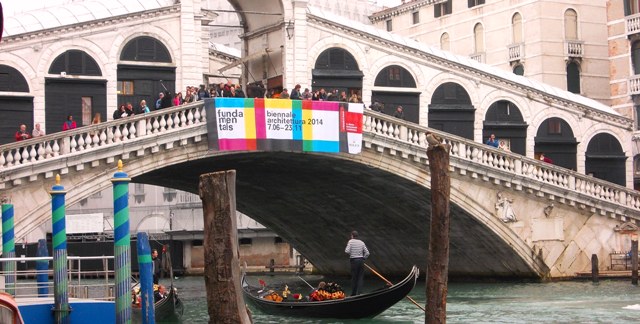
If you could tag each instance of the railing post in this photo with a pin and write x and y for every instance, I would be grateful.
(8, 248)
(518, 166)
(141, 128)
(42, 269)
(403, 132)
(65, 145)
(122, 245)
(572, 182)
(60, 284)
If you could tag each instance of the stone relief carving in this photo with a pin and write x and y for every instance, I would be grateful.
(504, 211)
(548, 210)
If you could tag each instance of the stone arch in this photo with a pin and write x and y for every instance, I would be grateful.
(150, 216)
(452, 111)
(505, 119)
(555, 138)
(119, 42)
(336, 68)
(55, 49)
(136, 74)
(25, 69)
(441, 78)
(397, 92)
(14, 109)
(334, 40)
(605, 158)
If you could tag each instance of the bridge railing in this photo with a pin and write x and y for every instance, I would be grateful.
(488, 156)
(88, 137)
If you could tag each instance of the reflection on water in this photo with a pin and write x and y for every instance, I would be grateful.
(555, 302)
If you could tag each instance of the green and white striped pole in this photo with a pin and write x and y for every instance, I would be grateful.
(122, 248)
(8, 248)
(59, 233)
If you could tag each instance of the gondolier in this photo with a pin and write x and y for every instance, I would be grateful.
(358, 253)
(156, 266)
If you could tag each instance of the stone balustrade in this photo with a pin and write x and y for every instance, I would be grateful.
(499, 161)
(632, 24)
(84, 139)
(24, 159)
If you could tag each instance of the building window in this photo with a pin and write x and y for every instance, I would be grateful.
(635, 57)
(516, 26)
(444, 42)
(416, 17)
(394, 74)
(573, 77)
(518, 69)
(125, 88)
(478, 35)
(473, 3)
(637, 108)
(441, 9)
(631, 7)
(389, 25)
(571, 24)
(278, 240)
(554, 126)
(138, 188)
(245, 241)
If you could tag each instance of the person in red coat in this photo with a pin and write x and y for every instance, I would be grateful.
(22, 134)
(69, 124)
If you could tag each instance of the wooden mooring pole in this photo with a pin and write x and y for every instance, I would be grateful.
(438, 268)
(634, 259)
(225, 303)
(594, 268)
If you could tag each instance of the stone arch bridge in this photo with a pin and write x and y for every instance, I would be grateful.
(511, 215)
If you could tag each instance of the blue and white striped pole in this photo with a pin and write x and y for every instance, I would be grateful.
(42, 269)
(145, 264)
(60, 282)
(8, 248)
(122, 245)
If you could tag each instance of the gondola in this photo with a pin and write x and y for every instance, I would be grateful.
(168, 309)
(361, 306)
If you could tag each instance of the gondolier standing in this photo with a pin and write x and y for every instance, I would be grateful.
(156, 266)
(358, 253)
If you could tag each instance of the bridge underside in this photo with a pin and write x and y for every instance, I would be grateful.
(314, 201)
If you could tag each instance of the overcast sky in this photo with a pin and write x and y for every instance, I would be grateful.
(11, 6)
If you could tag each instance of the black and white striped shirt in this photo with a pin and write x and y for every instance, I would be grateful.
(356, 249)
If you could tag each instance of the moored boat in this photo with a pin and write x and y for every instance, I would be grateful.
(361, 306)
(168, 309)
(9, 312)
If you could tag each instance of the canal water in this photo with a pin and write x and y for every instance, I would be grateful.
(610, 301)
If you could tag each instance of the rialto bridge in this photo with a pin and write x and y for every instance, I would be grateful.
(562, 217)
(313, 200)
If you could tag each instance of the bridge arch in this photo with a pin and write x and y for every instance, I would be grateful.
(397, 81)
(451, 110)
(555, 138)
(504, 119)
(134, 70)
(605, 159)
(15, 109)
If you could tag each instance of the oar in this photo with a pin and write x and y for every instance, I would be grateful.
(391, 284)
(310, 286)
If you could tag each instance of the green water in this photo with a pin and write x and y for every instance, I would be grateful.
(555, 302)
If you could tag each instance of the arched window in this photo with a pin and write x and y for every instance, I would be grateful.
(635, 57)
(75, 62)
(336, 58)
(12, 80)
(395, 76)
(573, 77)
(145, 49)
(516, 26)
(444, 42)
(478, 35)
(570, 24)
(518, 69)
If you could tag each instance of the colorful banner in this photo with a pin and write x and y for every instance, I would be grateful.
(239, 124)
